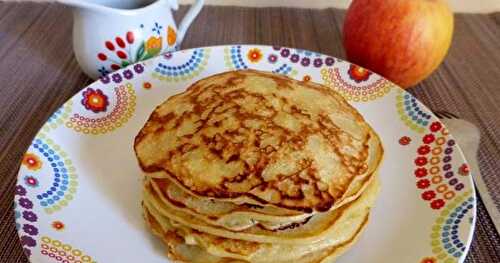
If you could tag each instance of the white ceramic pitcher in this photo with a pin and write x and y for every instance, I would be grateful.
(111, 34)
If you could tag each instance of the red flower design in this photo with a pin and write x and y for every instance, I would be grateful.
(464, 169)
(424, 149)
(121, 54)
(119, 47)
(423, 183)
(437, 204)
(130, 37)
(31, 181)
(429, 260)
(428, 195)
(429, 138)
(405, 140)
(421, 161)
(358, 73)
(420, 172)
(120, 42)
(95, 100)
(102, 56)
(436, 126)
(58, 225)
(146, 85)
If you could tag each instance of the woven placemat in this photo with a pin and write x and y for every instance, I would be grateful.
(38, 73)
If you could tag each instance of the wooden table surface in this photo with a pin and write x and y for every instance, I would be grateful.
(38, 73)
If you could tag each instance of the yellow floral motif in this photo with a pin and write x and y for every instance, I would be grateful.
(171, 36)
(153, 46)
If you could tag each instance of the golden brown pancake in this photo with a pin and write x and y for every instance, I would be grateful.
(179, 251)
(223, 213)
(328, 227)
(239, 217)
(254, 251)
(259, 138)
(229, 215)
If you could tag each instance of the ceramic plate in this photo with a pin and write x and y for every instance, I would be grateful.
(79, 187)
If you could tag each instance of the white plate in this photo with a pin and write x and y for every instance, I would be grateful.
(79, 187)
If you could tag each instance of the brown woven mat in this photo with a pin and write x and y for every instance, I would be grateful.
(38, 73)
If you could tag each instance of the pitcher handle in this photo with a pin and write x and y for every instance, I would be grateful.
(193, 11)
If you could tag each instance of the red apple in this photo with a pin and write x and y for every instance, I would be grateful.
(402, 40)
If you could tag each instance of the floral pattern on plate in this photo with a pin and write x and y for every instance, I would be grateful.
(78, 190)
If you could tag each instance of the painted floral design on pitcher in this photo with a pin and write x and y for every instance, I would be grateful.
(110, 35)
(119, 52)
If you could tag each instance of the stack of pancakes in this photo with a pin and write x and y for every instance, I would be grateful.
(249, 166)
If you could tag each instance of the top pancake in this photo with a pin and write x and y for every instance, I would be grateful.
(259, 138)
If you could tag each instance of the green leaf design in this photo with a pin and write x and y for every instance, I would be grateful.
(140, 52)
(147, 56)
(125, 63)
